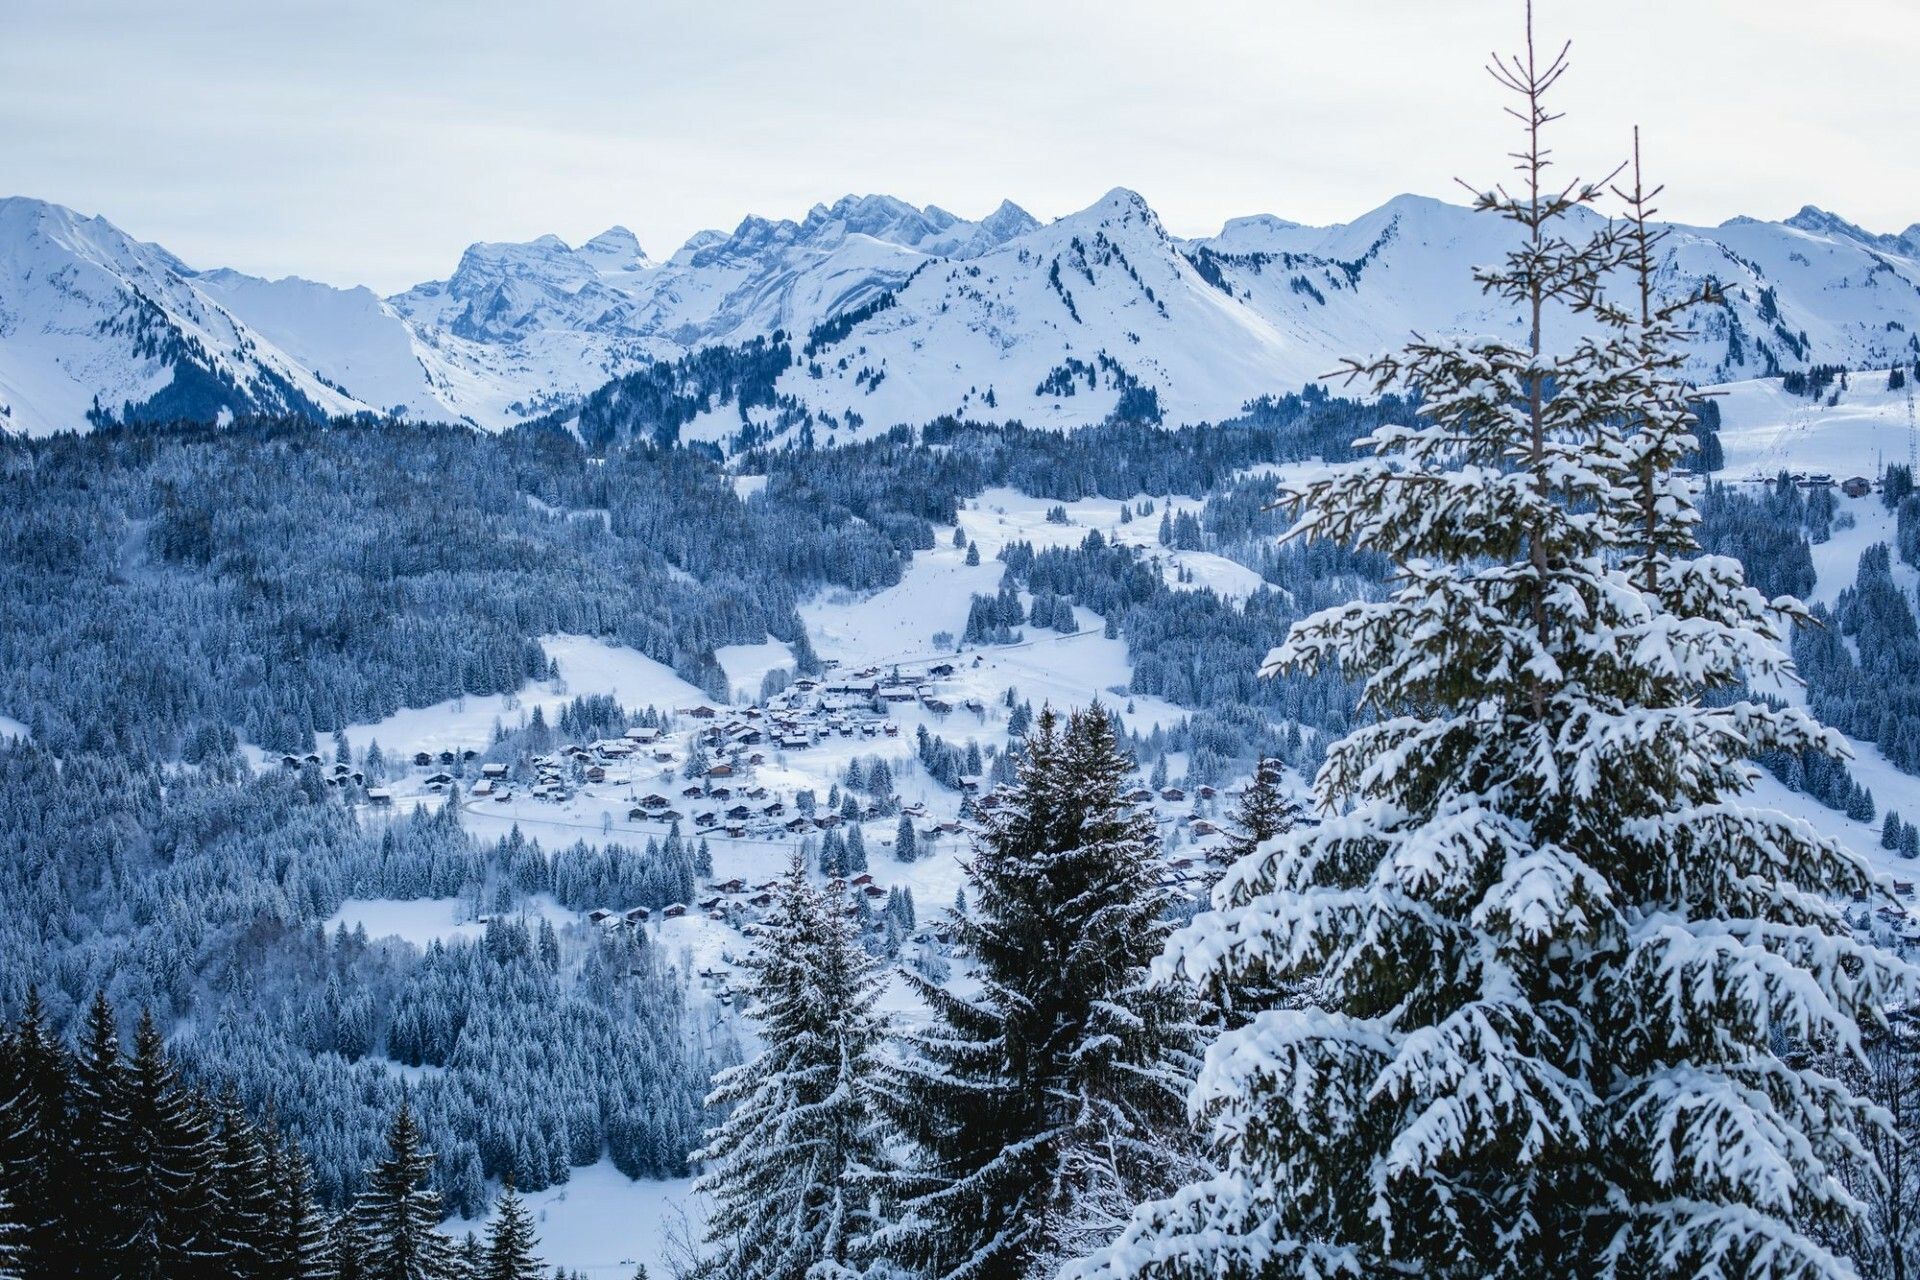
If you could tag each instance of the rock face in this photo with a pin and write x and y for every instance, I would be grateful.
(1059, 324)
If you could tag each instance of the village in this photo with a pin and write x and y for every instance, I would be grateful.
(829, 762)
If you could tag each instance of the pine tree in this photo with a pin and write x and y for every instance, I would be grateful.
(510, 1241)
(782, 1167)
(302, 1245)
(35, 1167)
(1043, 1109)
(1265, 811)
(160, 1179)
(469, 1259)
(244, 1210)
(1560, 975)
(347, 1245)
(906, 845)
(397, 1215)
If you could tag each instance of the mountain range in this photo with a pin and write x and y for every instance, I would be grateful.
(894, 314)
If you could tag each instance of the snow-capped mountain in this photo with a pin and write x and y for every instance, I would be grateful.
(1269, 305)
(1058, 324)
(93, 321)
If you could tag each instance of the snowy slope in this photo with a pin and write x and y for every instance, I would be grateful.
(349, 337)
(90, 316)
(540, 322)
(1060, 325)
(1107, 280)
(1795, 293)
(1765, 430)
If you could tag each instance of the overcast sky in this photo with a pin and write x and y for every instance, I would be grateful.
(359, 142)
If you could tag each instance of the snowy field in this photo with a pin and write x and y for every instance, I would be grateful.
(897, 625)
(1765, 431)
(424, 920)
(605, 1224)
(1000, 516)
(587, 666)
(11, 728)
(747, 665)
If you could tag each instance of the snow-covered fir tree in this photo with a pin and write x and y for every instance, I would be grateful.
(398, 1214)
(510, 1241)
(469, 1258)
(347, 1246)
(243, 1213)
(36, 1169)
(1040, 1110)
(33, 1115)
(302, 1248)
(1567, 985)
(98, 1117)
(161, 1158)
(1264, 811)
(785, 1166)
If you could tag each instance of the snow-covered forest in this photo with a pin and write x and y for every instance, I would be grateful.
(1456, 819)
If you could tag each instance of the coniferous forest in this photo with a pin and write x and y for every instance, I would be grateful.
(1521, 981)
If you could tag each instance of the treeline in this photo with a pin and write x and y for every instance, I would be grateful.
(113, 1165)
(278, 579)
(292, 577)
(202, 894)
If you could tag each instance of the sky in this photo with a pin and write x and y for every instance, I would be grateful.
(368, 143)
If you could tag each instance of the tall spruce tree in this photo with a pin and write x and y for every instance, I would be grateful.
(511, 1242)
(1265, 811)
(244, 1209)
(98, 1128)
(397, 1216)
(36, 1170)
(301, 1248)
(1043, 1108)
(347, 1245)
(469, 1261)
(160, 1175)
(1565, 980)
(783, 1168)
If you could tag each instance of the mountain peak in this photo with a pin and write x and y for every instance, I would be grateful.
(1818, 221)
(1125, 199)
(1121, 206)
(614, 249)
(1009, 220)
(1255, 224)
